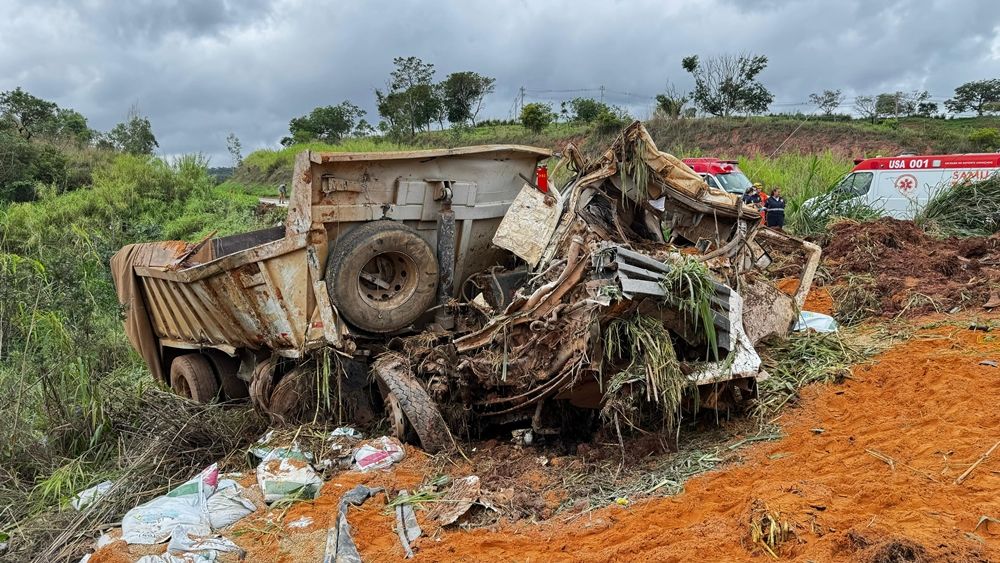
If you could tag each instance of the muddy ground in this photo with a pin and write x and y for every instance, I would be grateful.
(864, 471)
(887, 466)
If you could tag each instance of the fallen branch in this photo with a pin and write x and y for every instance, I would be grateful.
(972, 467)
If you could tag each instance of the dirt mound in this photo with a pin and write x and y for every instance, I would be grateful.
(891, 266)
(866, 472)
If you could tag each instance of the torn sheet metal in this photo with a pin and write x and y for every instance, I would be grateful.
(529, 224)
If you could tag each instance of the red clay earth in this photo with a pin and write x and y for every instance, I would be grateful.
(866, 472)
(911, 272)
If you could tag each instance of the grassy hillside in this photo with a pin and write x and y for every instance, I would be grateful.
(754, 139)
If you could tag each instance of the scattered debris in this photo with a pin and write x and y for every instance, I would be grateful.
(988, 363)
(817, 322)
(286, 474)
(340, 546)
(456, 501)
(406, 523)
(965, 474)
(86, 497)
(379, 454)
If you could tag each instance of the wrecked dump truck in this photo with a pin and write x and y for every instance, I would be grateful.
(477, 297)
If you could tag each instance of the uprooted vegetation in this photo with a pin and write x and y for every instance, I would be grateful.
(891, 267)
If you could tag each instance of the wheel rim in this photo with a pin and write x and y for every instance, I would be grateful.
(396, 419)
(387, 280)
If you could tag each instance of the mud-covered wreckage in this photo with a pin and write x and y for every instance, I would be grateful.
(477, 297)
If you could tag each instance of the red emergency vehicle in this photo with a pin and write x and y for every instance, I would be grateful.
(721, 174)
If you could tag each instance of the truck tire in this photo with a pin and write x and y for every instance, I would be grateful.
(191, 376)
(294, 396)
(408, 402)
(226, 367)
(382, 276)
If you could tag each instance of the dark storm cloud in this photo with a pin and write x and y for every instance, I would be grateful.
(201, 69)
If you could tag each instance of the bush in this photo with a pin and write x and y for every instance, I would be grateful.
(984, 138)
(536, 116)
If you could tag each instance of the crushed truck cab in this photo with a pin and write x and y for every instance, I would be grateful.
(476, 297)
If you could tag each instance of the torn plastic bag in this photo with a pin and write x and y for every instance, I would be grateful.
(285, 473)
(228, 505)
(186, 505)
(86, 497)
(340, 547)
(186, 540)
(815, 321)
(379, 454)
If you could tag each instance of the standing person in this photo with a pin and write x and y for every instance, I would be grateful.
(775, 208)
(282, 193)
(752, 197)
(763, 201)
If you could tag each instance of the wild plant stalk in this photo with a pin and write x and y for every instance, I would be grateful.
(646, 345)
(689, 286)
(965, 210)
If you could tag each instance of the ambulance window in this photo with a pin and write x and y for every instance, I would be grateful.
(862, 181)
(856, 183)
(711, 181)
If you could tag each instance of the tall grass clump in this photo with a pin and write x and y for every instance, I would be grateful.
(967, 209)
(689, 287)
(65, 364)
(640, 348)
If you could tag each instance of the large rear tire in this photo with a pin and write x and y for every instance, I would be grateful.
(407, 399)
(192, 376)
(226, 367)
(382, 276)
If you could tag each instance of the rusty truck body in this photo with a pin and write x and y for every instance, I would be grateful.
(381, 251)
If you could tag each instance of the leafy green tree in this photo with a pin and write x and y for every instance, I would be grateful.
(979, 96)
(536, 116)
(327, 123)
(827, 101)
(671, 102)
(27, 114)
(71, 124)
(463, 94)
(926, 109)
(728, 84)
(132, 136)
(410, 102)
(586, 110)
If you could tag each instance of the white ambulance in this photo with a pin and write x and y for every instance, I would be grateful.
(901, 185)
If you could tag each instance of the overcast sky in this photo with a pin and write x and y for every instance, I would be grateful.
(203, 68)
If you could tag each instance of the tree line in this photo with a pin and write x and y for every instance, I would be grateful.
(724, 86)
(35, 135)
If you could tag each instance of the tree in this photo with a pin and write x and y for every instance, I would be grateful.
(134, 135)
(28, 114)
(536, 116)
(979, 96)
(828, 101)
(728, 84)
(926, 109)
(363, 129)
(235, 149)
(410, 101)
(463, 94)
(586, 110)
(867, 106)
(327, 123)
(671, 102)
